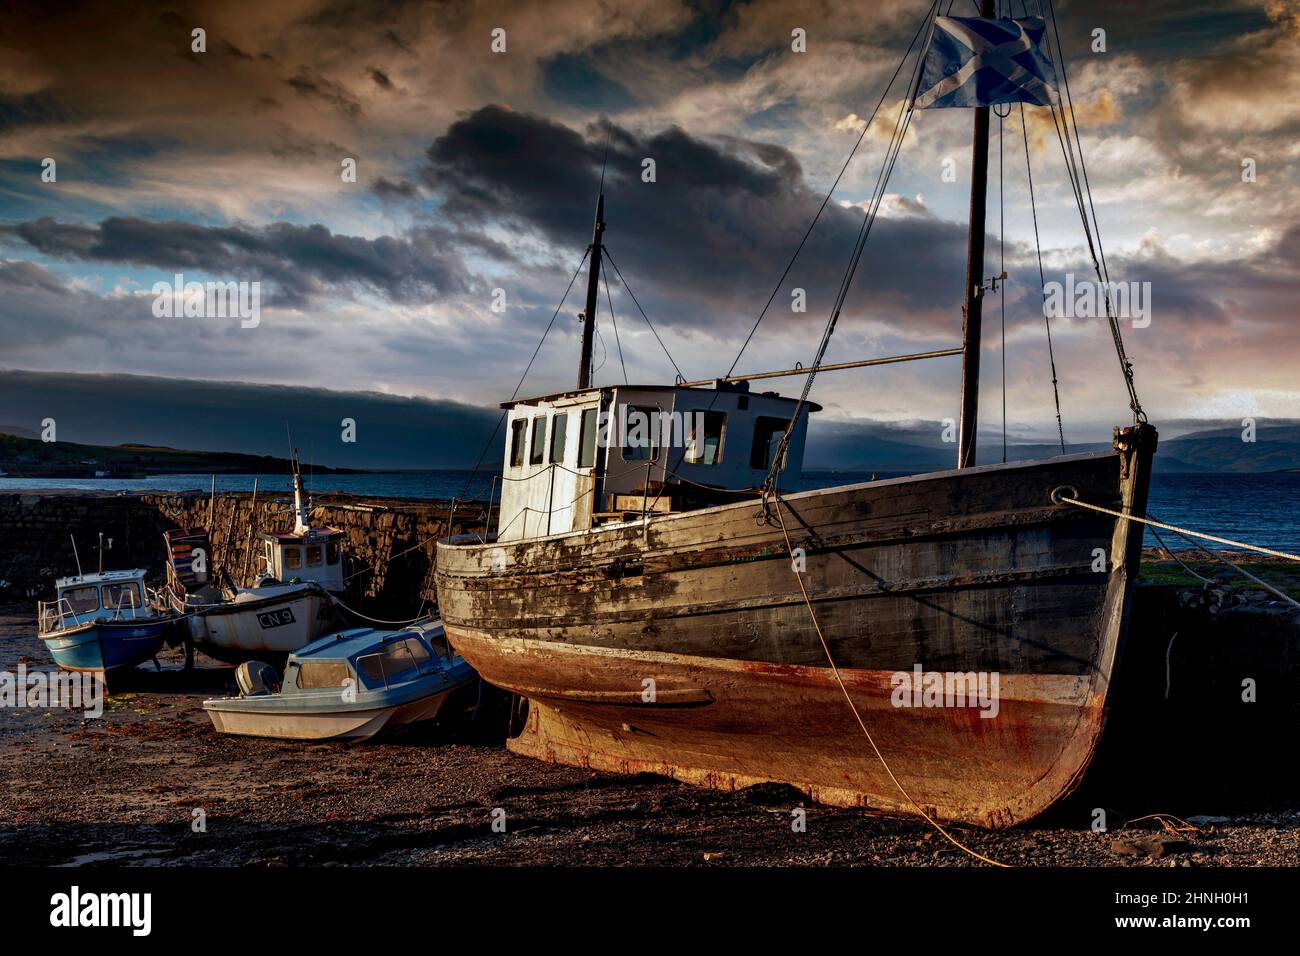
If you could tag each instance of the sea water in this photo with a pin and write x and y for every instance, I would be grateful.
(1262, 509)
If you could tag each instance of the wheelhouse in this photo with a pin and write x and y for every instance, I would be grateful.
(305, 553)
(382, 660)
(106, 596)
(578, 459)
(314, 555)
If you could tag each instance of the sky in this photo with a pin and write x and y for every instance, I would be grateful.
(428, 281)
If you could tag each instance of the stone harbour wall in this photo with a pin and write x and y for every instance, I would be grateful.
(389, 545)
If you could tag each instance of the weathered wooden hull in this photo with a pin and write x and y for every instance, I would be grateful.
(683, 644)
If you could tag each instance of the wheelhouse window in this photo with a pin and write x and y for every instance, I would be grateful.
(767, 439)
(587, 440)
(518, 428)
(537, 451)
(332, 552)
(82, 599)
(640, 433)
(293, 557)
(704, 437)
(559, 432)
(314, 553)
(121, 595)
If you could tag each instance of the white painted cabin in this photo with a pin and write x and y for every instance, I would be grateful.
(570, 463)
(306, 553)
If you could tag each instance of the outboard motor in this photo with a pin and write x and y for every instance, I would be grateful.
(256, 679)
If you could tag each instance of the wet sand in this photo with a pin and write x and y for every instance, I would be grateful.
(125, 788)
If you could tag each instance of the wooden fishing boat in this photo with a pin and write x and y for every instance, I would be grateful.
(945, 643)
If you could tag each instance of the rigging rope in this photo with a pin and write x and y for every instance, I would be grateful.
(502, 417)
(1079, 180)
(829, 193)
(1002, 272)
(618, 341)
(825, 201)
(901, 125)
(1219, 557)
(619, 273)
(1042, 283)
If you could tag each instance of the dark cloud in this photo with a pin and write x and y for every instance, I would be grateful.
(31, 109)
(302, 261)
(708, 238)
(390, 191)
(392, 431)
(234, 52)
(311, 84)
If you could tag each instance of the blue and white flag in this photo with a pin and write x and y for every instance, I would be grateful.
(974, 61)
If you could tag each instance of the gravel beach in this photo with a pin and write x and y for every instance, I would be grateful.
(151, 783)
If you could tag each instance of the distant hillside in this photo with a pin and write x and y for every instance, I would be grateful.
(851, 446)
(24, 457)
(1275, 448)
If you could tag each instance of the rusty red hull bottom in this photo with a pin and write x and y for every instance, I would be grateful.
(713, 722)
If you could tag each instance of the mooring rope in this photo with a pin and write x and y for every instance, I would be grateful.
(376, 620)
(853, 707)
(1236, 567)
(1174, 528)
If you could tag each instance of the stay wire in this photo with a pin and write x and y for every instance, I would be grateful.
(619, 273)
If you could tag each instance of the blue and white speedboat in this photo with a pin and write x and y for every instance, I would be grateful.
(102, 622)
(346, 686)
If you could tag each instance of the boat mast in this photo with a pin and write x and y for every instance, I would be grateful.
(972, 310)
(588, 317)
(300, 523)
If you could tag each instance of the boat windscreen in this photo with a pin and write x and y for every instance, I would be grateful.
(81, 599)
(397, 662)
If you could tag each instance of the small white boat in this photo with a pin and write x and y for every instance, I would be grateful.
(347, 686)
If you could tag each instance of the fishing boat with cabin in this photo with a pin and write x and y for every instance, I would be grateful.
(690, 611)
(290, 605)
(346, 686)
(103, 622)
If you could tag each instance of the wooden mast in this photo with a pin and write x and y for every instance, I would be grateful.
(972, 311)
(593, 284)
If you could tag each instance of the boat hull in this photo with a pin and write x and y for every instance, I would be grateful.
(270, 627)
(106, 646)
(684, 645)
(286, 724)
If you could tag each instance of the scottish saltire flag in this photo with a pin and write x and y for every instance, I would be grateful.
(974, 61)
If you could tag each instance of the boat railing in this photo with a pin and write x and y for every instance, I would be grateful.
(117, 607)
(167, 597)
(50, 614)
